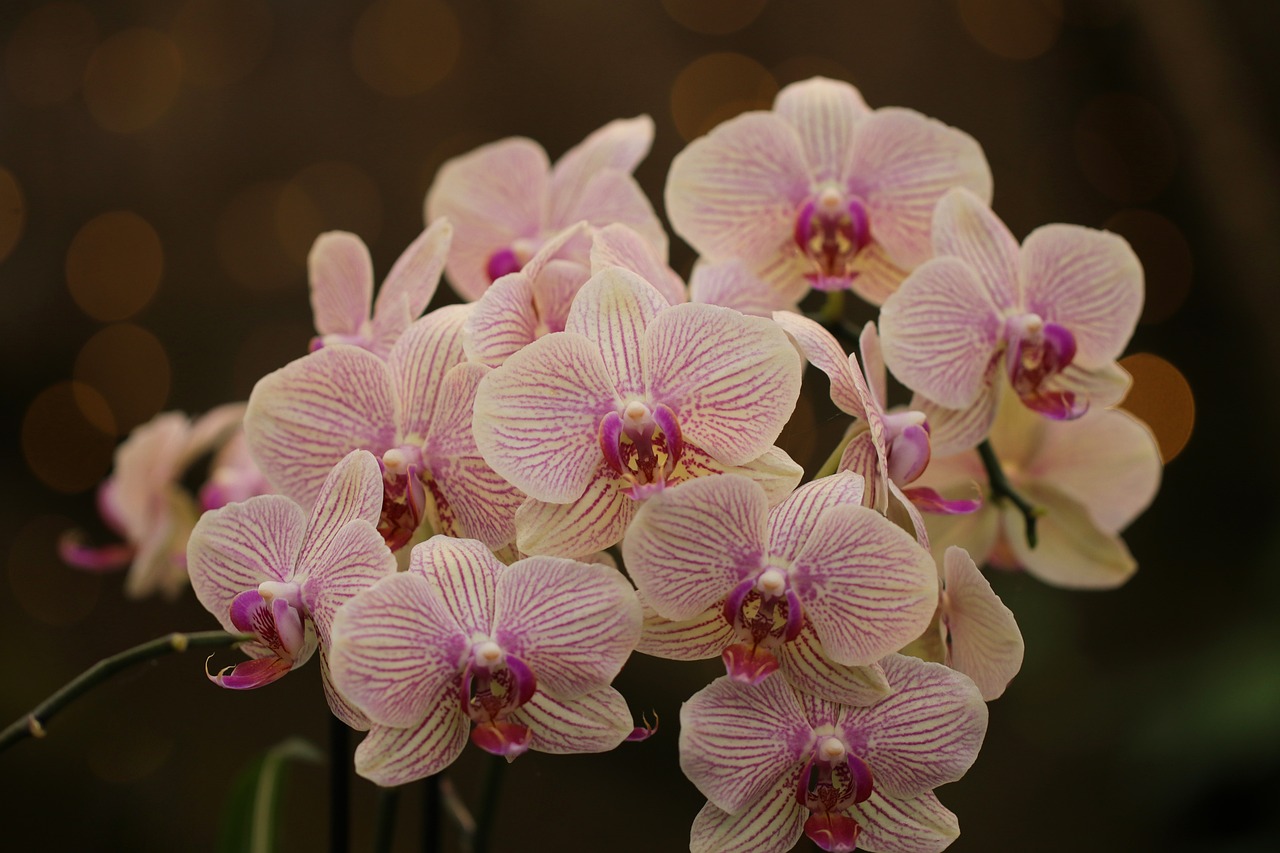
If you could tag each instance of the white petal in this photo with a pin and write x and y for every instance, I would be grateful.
(595, 521)
(594, 722)
(612, 310)
(823, 112)
(396, 756)
(773, 823)
(792, 521)
(341, 274)
(986, 644)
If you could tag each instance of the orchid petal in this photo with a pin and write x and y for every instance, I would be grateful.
(1087, 281)
(734, 193)
(554, 290)
(339, 705)
(594, 521)
(902, 164)
(493, 195)
(352, 490)
(617, 245)
(732, 380)
(732, 284)
(926, 733)
(848, 387)
(465, 574)
(356, 558)
(537, 416)
(392, 756)
(823, 113)
(612, 310)
(977, 532)
(770, 824)
(305, 417)
(573, 623)
(791, 522)
(593, 722)
(235, 548)
(419, 361)
(470, 500)
(395, 649)
(738, 741)
(408, 288)
(917, 824)
(703, 636)
(953, 431)
(965, 228)
(940, 332)
(1071, 552)
(612, 196)
(985, 642)
(619, 145)
(808, 669)
(503, 320)
(1101, 388)
(774, 471)
(341, 274)
(875, 275)
(250, 674)
(866, 585)
(215, 427)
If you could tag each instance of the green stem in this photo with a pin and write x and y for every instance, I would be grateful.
(1001, 489)
(832, 311)
(385, 828)
(33, 723)
(488, 804)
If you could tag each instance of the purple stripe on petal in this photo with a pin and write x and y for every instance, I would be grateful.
(594, 722)
(393, 756)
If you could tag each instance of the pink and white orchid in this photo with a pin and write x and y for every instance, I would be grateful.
(775, 764)
(1056, 312)
(265, 567)
(505, 200)
(144, 502)
(233, 475)
(635, 395)
(821, 192)
(411, 410)
(816, 587)
(1090, 477)
(526, 652)
(341, 273)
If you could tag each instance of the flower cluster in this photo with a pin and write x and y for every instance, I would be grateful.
(452, 492)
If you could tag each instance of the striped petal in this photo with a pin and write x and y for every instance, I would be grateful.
(732, 284)
(773, 823)
(573, 623)
(612, 310)
(419, 361)
(866, 585)
(739, 741)
(235, 548)
(617, 245)
(926, 733)
(537, 416)
(356, 559)
(1087, 281)
(965, 228)
(594, 722)
(305, 417)
(391, 756)
(612, 196)
(820, 348)
(917, 824)
(732, 380)
(619, 145)
(465, 573)
(341, 274)
(703, 636)
(395, 649)
(792, 521)
(903, 163)
(808, 669)
(876, 276)
(595, 521)
(823, 112)
(340, 706)
(1071, 552)
(352, 490)
(774, 471)
(503, 320)
(734, 193)
(985, 643)
(408, 288)
(689, 546)
(940, 332)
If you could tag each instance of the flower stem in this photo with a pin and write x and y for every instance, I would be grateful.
(832, 311)
(431, 814)
(339, 787)
(385, 829)
(488, 804)
(33, 723)
(1001, 488)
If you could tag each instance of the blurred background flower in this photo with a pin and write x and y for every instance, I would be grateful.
(166, 164)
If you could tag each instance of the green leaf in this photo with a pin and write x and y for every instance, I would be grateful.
(252, 810)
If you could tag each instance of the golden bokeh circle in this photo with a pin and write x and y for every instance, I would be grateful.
(1013, 29)
(45, 589)
(1125, 147)
(222, 41)
(717, 87)
(1162, 397)
(130, 368)
(714, 17)
(404, 47)
(132, 79)
(1166, 259)
(68, 433)
(13, 212)
(114, 265)
(45, 58)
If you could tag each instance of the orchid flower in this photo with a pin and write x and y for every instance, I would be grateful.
(817, 587)
(525, 651)
(505, 200)
(821, 192)
(1091, 478)
(775, 764)
(143, 501)
(341, 274)
(635, 395)
(1056, 312)
(264, 567)
(411, 410)
(233, 475)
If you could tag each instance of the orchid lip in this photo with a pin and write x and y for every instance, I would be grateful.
(831, 229)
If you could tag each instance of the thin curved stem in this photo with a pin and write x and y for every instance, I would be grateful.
(1001, 489)
(385, 829)
(33, 723)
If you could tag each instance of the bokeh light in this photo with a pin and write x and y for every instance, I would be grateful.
(222, 41)
(1166, 260)
(114, 265)
(248, 242)
(13, 212)
(1161, 396)
(403, 47)
(68, 434)
(132, 79)
(1125, 147)
(327, 196)
(43, 587)
(130, 368)
(714, 17)
(46, 55)
(1013, 29)
(717, 87)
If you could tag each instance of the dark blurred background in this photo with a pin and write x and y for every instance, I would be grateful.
(165, 165)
